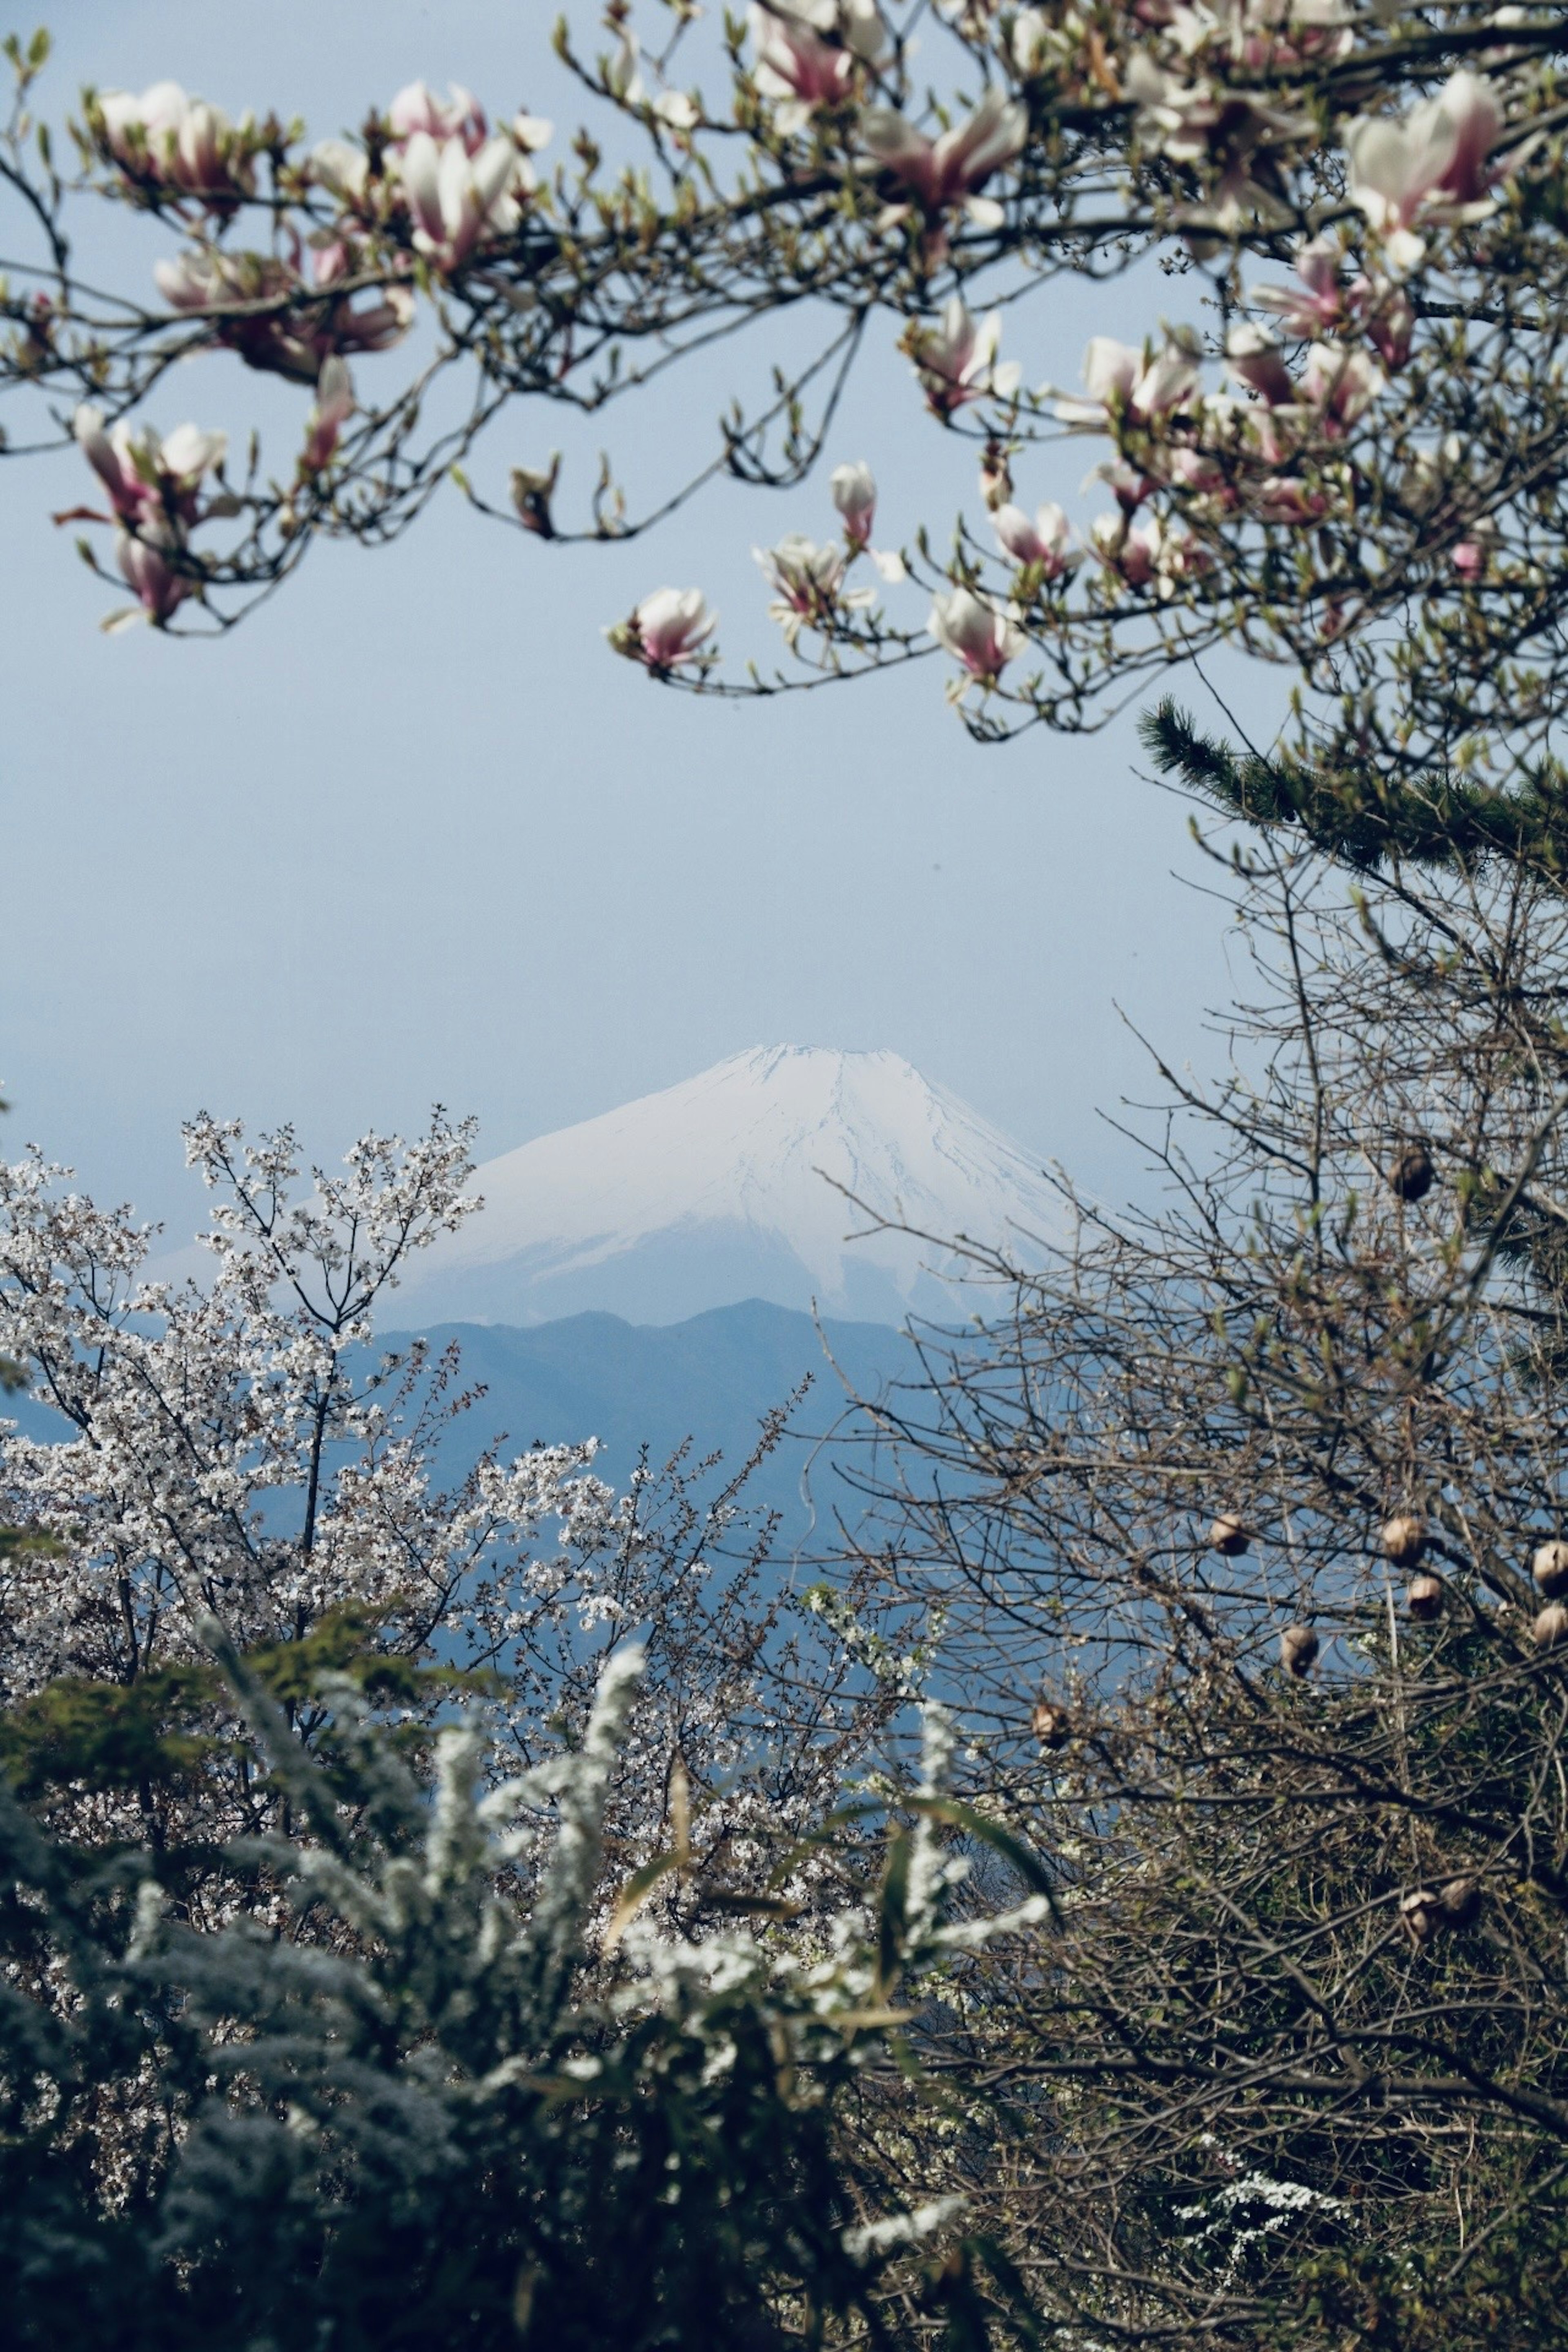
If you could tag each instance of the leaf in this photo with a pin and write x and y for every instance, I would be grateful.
(1005, 1842)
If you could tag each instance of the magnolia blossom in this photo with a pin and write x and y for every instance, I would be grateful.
(1039, 44)
(189, 146)
(1433, 166)
(158, 585)
(1258, 35)
(1318, 302)
(1043, 541)
(149, 480)
(1254, 358)
(1341, 384)
(335, 406)
(1207, 123)
(416, 108)
(807, 582)
(854, 489)
(667, 629)
(1150, 554)
(1121, 382)
(951, 169)
(807, 51)
(1390, 317)
(956, 358)
(455, 199)
(289, 341)
(976, 632)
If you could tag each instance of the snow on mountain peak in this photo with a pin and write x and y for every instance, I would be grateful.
(715, 1191)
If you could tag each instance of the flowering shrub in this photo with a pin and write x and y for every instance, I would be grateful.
(426, 2112)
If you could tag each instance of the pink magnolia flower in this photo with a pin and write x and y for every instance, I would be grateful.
(976, 632)
(1149, 554)
(668, 628)
(807, 51)
(854, 489)
(288, 341)
(458, 200)
(335, 406)
(1390, 317)
(159, 588)
(1433, 166)
(807, 582)
(151, 482)
(1208, 123)
(1043, 540)
(1341, 384)
(951, 169)
(184, 144)
(956, 358)
(1317, 302)
(1122, 381)
(1285, 499)
(1254, 358)
(417, 108)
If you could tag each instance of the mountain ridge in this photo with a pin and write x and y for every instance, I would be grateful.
(766, 1176)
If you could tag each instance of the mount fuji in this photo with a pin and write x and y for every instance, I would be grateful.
(723, 1188)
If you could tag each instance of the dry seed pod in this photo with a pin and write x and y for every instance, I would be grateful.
(1228, 1535)
(1549, 1569)
(1051, 1724)
(1461, 1900)
(1425, 1597)
(1410, 1177)
(1551, 1626)
(1422, 1912)
(1298, 1648)
(1405, 1539)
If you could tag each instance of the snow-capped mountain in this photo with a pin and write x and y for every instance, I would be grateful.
(717, 1190)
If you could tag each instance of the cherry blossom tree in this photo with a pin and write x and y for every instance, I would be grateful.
(240, 1450)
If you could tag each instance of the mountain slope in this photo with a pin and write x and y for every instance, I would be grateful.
(723, 1188)
(712, 1380)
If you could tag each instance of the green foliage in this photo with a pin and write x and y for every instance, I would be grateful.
(168, 1724)
(1358, 816)
(419, 2105)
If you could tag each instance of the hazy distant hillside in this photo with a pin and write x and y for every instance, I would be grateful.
(713, 1379)
(716, 1190)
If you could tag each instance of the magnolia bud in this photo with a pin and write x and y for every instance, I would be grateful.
(1421, 1913)
(1410, 1177)
(1549, 1567)
(1298, 1649)
(1404, 1540)
(1461, 1901)
(1051, 1724)
(1425, 1597)
(1551, 1626)
(1228, 1535)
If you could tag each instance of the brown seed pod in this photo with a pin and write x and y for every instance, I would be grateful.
(1461, 1900)
(1422, 1914)
(1228, 1535)
(1405, 1539)
(1298, 1648)
(1549, 1569)
(1051, 1724)
(1410, 1177)
(1551, 1626)
(1425, 1597)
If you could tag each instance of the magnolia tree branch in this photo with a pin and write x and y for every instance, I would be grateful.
(1352, 468)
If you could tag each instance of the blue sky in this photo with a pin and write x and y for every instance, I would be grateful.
(412, 832)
